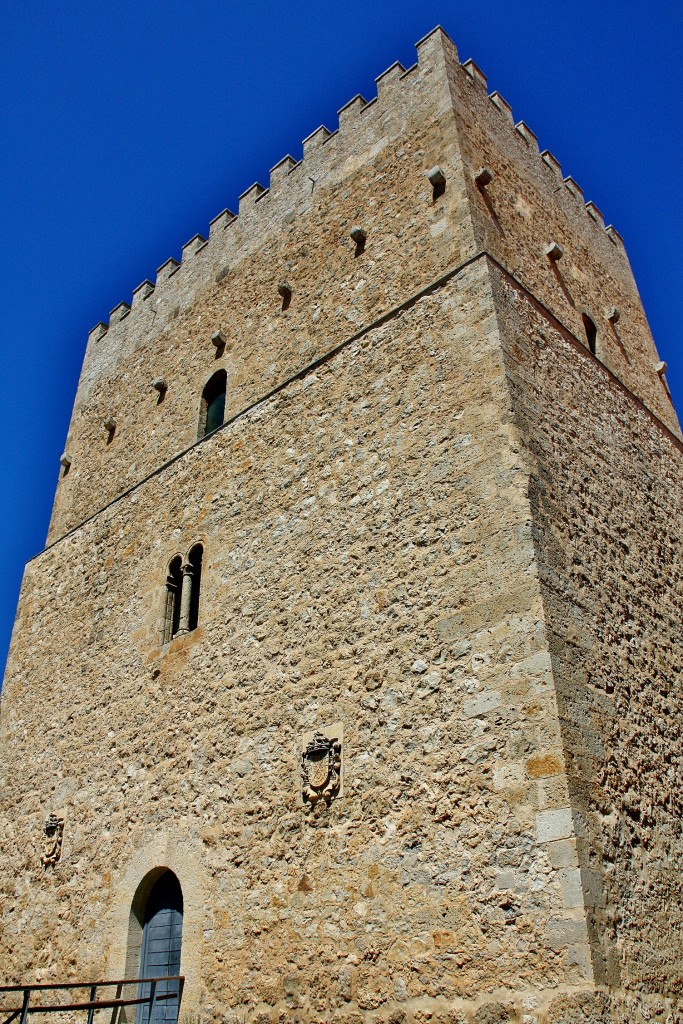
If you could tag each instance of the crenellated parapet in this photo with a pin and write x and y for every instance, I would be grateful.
(411, 183)
(524, 131)
(361, 123)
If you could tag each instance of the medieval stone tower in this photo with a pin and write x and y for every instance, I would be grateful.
(354, 645)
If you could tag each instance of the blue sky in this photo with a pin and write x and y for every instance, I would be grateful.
(126, 127)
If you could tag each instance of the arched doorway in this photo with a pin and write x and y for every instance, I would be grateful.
(162, 933)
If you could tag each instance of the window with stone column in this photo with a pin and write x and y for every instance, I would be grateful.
(183, 583)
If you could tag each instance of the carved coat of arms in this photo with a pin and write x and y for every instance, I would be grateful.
(53, 832)
(320, 770)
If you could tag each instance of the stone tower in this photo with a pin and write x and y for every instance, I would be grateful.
(360, 611)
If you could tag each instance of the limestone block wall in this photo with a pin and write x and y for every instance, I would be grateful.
(607, 497)
(369, 561)
(433, 521)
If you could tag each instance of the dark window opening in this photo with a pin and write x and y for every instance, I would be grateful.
(174, 586)
(183, 585)
(195, 560)
(591, 331)
(212, 410)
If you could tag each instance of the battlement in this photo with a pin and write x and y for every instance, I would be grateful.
(524, 132)
(360, 121)
(423, 176)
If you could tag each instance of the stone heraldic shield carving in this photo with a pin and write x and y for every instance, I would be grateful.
(320, 770)
(53, 833)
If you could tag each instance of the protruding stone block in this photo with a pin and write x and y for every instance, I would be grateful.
(388, 80)
(550, 161)
(250, 197)
(98, 331)
(595, 214)
(614, 235)
(483, 177)
(167, 269)
(434, 42)
(142, 292)
(614, 315)
(350, 111)
(281, 170)
(554, 251)
(224, 218)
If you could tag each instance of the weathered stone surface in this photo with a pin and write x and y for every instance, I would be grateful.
(433, 521)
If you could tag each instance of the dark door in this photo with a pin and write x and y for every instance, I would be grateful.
(161, 938)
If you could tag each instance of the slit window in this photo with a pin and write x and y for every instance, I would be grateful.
(212, 409)
(591, 331)
(174, 584)
(195, 561)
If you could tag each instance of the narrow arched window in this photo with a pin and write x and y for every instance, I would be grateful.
(174, 585)
(212, 408)
(591, 331)
(162, 933)
(183, 585)
(195, 560)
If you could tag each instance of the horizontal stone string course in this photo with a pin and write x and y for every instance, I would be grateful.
(219, 341)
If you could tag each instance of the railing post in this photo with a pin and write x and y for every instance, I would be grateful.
(115, 1010)
(24, 1006)
(152, 997)
(91, 1011)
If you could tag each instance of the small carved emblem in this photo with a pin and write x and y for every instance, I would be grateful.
(320, 770)
(52, 843)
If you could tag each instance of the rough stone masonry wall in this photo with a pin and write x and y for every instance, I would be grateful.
(607, 498)
(369, 561)
(371, 173)
(528, 205)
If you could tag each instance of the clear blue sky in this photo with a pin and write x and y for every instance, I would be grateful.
(125, 127)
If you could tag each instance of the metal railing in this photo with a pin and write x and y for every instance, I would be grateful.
(92, 1003)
